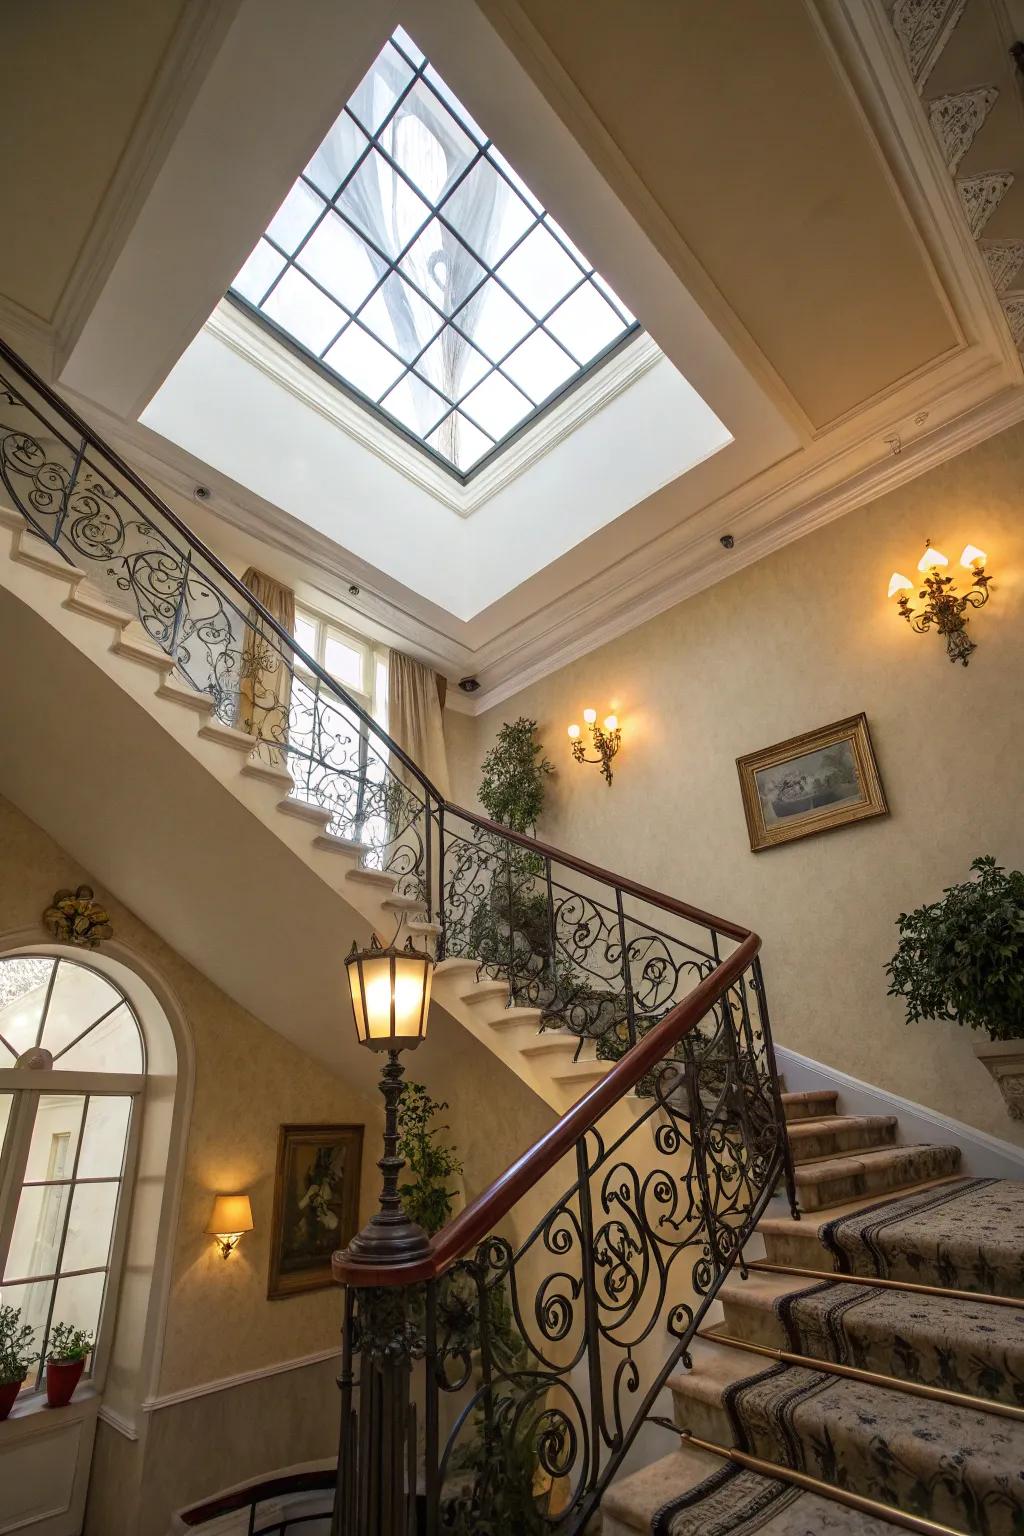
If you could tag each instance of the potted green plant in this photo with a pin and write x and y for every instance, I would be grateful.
(66, 1354)
(16, 1355)
(962, 958)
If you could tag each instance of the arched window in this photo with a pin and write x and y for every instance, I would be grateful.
(72, 1068)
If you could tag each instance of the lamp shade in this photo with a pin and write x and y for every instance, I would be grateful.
(390, 994)
(931, 559)
(972, 556)
(898, 583)
(230, 1214)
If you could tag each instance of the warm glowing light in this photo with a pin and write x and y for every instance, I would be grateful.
(390, 995)
(931, 559)
(230, 1217)
(972, 556)
(898, 583)
(574, 733)
(590, 715)
(611, 722)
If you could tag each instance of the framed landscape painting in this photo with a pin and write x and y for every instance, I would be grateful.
(316, 1204)
(811, 783)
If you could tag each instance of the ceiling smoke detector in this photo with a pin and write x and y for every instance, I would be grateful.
(469, 684)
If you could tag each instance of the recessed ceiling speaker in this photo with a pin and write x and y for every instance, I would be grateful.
(202, 493)
(727, 541)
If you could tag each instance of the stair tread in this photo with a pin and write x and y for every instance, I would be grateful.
(636, 1499)
(805, 1130)
(785, 1225)
(837, 1165)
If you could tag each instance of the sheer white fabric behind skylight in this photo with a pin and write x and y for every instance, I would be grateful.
(413, 263)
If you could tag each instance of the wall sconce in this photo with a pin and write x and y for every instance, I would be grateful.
(944, 609)
(606, 738)
(230, 1217)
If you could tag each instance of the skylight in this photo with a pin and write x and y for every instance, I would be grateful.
(417, 268)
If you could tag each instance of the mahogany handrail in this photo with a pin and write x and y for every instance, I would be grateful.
(480, 1217)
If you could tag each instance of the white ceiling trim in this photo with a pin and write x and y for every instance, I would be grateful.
(258, 346)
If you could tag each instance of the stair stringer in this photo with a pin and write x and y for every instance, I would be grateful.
(114, 641)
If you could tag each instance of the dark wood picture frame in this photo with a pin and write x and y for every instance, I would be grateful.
(834, 781)
(316, 1204)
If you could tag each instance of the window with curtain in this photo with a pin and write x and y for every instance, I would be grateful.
(72, 1070)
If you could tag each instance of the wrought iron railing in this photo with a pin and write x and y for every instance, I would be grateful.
(499, 1385)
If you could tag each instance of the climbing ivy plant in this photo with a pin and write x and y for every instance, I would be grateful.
(426, 1197)
(512, 786)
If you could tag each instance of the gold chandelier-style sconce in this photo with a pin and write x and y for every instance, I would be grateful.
(606, 739)
(945, 610)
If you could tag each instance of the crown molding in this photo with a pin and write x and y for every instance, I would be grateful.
(259, 347)
(27, 334)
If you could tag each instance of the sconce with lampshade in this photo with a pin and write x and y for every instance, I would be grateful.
(230, 1218)
(944, 609)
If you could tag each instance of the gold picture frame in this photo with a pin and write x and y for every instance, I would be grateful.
(316, 1204)
(812, 783)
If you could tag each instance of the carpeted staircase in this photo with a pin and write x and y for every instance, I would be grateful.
(922, 1413)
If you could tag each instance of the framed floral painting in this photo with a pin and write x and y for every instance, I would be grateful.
(826, 778)
(316, 1204)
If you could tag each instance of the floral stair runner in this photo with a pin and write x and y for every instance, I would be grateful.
(732, 1501)
(958, 1463)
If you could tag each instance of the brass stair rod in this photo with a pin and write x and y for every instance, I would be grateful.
(874, 1378)
(810, 1484)
(838, 1278)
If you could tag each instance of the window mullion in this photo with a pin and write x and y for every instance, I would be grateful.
(12, 1174)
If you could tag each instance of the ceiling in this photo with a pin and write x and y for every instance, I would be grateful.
(760, 184)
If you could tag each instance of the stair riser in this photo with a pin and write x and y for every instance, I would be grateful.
(851, 1139)
(756, 1324)
(838, 1188)
(706, 1420)
(795, 1110)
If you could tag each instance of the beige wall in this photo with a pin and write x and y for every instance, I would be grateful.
(800, 639)
(248, 1081)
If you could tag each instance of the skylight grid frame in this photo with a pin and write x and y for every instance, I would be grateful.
(389, 266)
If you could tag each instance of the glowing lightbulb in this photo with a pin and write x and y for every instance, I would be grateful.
(972, 556)
(930, 559)
(611, 722)
(898, 583)
(574, 733)
(590, 715)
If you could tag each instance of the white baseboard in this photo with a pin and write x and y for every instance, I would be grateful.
(983, 1156)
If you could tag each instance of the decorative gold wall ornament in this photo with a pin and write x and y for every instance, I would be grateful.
(75, 918)
(945, 609)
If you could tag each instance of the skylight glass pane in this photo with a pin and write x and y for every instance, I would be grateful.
(486, 213)
(402, 320)
(382, 205)
(295, 217)
(415, 405)
(539, 271)
(452, 364)
(380, 88)
(340, 261)
(496, 405)
(458, 441)
(337, 155)
(363, 362)
(442, 267)
(585, 323)
(304, 312)
(413, 260)
(264, 265)
(539, 366)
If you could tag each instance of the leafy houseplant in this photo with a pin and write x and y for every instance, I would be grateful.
(16, 1355)
(426, 1197)
(962, 958)
(512, 791)
(66, 1354)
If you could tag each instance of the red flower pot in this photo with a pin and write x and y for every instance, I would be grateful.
(8, 1396)
(62, 1377)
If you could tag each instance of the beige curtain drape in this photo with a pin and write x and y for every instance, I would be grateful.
(265, 690)
(414, 719)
